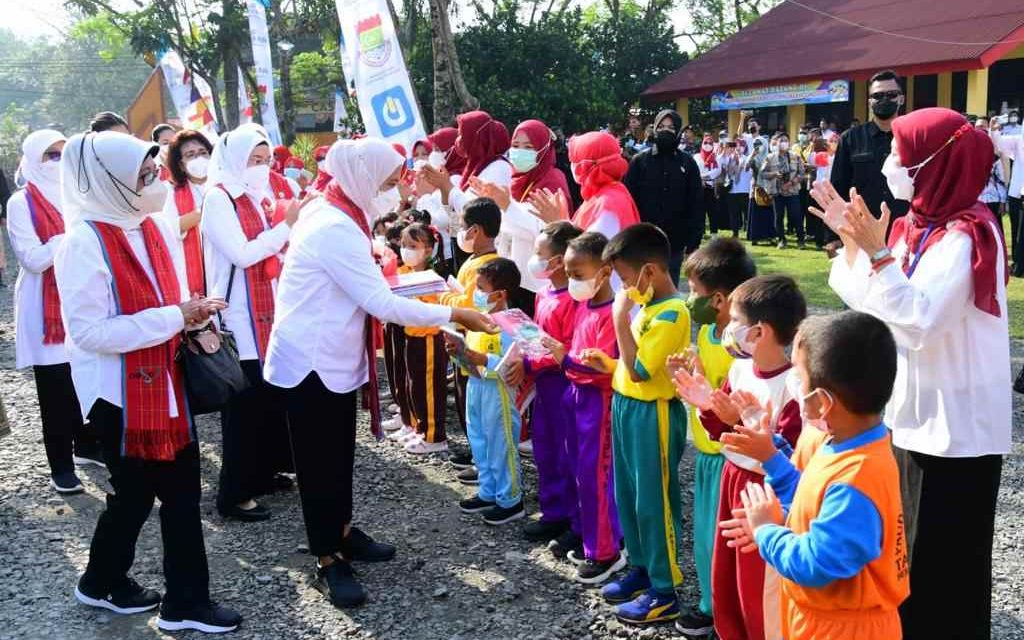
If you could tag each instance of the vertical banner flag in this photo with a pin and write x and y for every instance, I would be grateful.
(257, 11)
(383, 90)
(244, 104)
(340, 113)
(190, 94)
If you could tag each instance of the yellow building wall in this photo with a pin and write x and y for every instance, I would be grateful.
(683, 108)
(945, 90)
(796, 115)
(977, 92)
(860, 97)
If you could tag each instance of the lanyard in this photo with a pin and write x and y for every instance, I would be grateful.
(917, 254)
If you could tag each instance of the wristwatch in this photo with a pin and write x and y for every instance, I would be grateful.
(880, 255)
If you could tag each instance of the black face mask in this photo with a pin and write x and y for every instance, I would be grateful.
(885, 109)
(752, 129)
(666, 140)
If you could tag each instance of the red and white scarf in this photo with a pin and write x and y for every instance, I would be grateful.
(47, 222)
(192, 244)
(373, 332)
(282, 189)
(259, 277)
(150, 433)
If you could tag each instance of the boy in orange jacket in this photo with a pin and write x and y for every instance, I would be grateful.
(842, 553)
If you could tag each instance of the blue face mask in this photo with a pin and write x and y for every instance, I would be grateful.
(292, 172)
(481, 301)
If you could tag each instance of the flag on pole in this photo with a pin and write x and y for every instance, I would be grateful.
(191, 95)
(257, 11)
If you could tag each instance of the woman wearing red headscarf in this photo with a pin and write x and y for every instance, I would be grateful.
(444, 143)
(482, 141)
(940, 285)
(322, 177)
(533, 158)
(425, 153)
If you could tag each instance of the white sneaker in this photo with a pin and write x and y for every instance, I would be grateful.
(526, 448)
(399, 434)
(392, 408)
(412, 437)
(422, 447)
(393, 424)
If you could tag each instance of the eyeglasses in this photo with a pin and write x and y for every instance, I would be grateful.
(886, 95)
(52, 155)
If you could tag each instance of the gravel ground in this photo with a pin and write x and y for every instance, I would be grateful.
(454, 577)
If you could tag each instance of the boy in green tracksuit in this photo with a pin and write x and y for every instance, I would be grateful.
(648, 424)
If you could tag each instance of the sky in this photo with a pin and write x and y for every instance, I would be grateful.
(48, 18)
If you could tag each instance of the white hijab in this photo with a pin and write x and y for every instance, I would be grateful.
(231, 157)
(360, 167)
(32, 167)
(99, 173)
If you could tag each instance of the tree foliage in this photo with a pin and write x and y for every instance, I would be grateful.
(715, 20)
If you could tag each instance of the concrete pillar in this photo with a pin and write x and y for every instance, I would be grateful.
(977, 92)
(945, 90)
(683, 107)
(908, 105)
(860, 100)
(796, 115)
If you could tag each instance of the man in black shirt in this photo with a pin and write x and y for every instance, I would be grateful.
(665, 184)
(862, 150)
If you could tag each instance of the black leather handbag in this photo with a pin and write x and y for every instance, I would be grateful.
(213, 373)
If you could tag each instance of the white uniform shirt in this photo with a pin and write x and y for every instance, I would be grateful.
(225, 244)
(96, 334)
(34, 258)
(951, 397)
(1013, 147)
(329, 283)
(170, 211)
(439, 218)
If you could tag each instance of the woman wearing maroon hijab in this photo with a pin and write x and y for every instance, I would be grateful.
(532, 157)
(444, 141)
(939, 283)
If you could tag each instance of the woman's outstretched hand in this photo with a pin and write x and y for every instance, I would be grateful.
(863, 228)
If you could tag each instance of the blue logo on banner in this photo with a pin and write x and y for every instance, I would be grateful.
(393, 111)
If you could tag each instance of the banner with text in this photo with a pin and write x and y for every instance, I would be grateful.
(813, 92)
(244, 103)
(257, 11)
(383, 90)
(190, 95)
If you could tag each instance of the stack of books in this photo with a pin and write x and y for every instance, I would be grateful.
(417, 283)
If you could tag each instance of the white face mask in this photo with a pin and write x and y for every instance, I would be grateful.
(418, 165)
(386, 201)
(538, 267)
(436, 159)
(795, 387)
(381, 239)
(257, 177)
(466, 244)
(901, 185)
(707, 147)
(197, 167)
(412, 257)
(322, 165)
(783, 146)
(582, 290)
(151, 198)
(51, 171)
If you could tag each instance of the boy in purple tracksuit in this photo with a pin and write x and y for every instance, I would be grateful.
(590, 399)
(551, 421)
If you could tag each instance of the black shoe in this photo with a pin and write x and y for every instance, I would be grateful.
(283, 482)
(259, 513)
(501, 515)
(545, 530)
(362, 548)
(596, 572)
(338, 582)
(801, 245)
(462, 460)
(125, 599)
(475, 505)
(563, 544)
(469, 477)
(695, 623)
(87, 457)
(208, 618)
(66, 482)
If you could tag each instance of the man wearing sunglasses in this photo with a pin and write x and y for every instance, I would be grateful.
(863, 149)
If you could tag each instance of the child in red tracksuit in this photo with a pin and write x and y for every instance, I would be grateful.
(764, 315)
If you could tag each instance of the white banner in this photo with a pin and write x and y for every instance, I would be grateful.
(340, 112)
(244, 103)
(257, 11)
(190, 94)
(386, 100)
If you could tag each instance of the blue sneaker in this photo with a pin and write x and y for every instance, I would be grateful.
(627, 587)
(649, 607)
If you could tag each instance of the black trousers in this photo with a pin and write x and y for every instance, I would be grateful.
(254, 438)
(949, 506)
(711, 208)
(322, 428)
(136, 484)
(64, 431)
(788, 208)
(394, 368)
(738, 203)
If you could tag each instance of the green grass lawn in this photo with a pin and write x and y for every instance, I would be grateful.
(810, 269)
